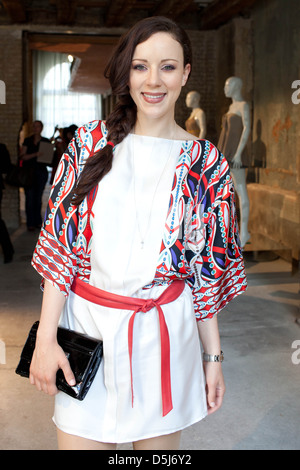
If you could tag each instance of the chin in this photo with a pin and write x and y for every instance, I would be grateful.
(154, 111)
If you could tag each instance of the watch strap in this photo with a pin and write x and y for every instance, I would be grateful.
(213, 357)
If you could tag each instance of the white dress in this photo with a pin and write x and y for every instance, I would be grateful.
(130, 208)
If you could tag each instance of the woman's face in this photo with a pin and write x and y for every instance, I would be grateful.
(36, 128)
(157, 75)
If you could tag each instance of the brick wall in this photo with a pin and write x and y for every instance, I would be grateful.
(203, 80)
(11, 112)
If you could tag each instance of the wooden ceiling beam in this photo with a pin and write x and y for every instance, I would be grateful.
(37, 39)
(91, 3)
(173, 8)
(165, 7)
(182, 7)
(117, 11)
(221, 11)
(16, 10)
(66, 11)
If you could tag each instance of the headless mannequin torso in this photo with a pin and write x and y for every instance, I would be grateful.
(196, 123)
(239, 107)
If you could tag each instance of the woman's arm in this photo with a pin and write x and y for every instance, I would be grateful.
(48, 356)
(215, 386)
(28, 156)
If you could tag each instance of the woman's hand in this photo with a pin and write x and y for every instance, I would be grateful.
(215, 386)
(47, 359)
(48, 356)
(28, 156)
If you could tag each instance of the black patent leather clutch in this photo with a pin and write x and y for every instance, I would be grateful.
(83, 352)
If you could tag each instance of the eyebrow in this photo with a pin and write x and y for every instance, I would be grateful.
(164, 60)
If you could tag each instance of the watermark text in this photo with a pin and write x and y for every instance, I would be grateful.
(2, 352)
(296, 354)
(296, 94)
(2, 92)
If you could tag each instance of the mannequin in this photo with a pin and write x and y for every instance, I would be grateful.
(232, 143)
(196, 123)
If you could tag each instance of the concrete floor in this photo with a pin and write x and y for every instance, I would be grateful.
(261, 408)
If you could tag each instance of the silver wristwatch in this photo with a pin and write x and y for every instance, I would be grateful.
(213, 357)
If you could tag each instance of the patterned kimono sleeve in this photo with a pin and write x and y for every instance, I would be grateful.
(219, 273)
(54, 257)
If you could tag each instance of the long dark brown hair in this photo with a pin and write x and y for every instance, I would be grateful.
(123, 117)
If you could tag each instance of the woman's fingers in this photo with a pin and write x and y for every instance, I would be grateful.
(215, 399)
(44, 367)
(215, 386)
(67, 371)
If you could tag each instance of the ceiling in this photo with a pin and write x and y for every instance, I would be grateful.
(106, 19)
(104, 12)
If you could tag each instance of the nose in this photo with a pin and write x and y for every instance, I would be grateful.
(153, 77)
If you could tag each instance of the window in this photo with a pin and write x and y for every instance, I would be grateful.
(53, 104)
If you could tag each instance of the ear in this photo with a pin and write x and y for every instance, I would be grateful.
(187, 70)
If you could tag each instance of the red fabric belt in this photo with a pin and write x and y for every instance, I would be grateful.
(107, 299)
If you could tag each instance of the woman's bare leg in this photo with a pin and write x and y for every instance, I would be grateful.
(167, 442)
(70, 442)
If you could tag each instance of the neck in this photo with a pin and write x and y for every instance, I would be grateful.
(237, 97)
(164, 128)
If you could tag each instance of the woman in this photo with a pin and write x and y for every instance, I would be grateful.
(5, 242)
(34, 192)
(152, 207)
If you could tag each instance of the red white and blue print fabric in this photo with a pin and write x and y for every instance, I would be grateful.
(200, 242)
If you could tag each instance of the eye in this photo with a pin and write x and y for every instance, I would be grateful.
(168, 67)
(140, 67)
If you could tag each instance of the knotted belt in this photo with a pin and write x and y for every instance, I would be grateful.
(107, 299)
